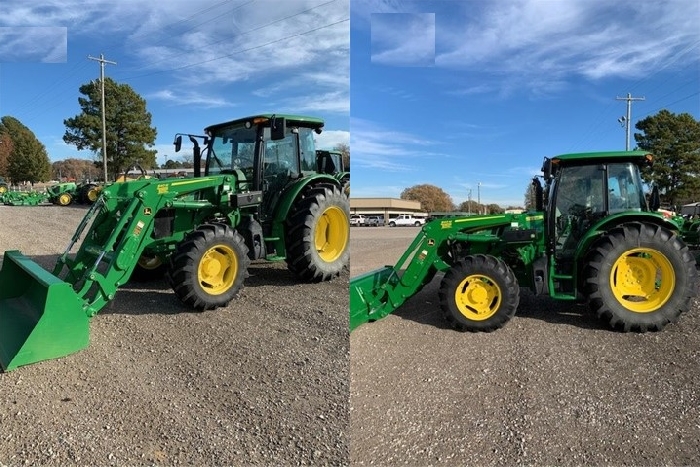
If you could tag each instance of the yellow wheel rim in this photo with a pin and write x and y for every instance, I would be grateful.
(478, 297)
(642, 280)
(93, 194)
(332, 234)
(64, 199)
(149, 262)
(217, 269)
(3, 189)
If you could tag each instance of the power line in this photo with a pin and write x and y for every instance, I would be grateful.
(171, 57)
(628, 118)
(672, 103)
(237, 51)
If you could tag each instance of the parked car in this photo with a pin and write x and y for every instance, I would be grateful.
(357, 220)
(406, 219)
(374, 221)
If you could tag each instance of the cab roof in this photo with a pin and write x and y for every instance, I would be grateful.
(611, 156)
(292, 120)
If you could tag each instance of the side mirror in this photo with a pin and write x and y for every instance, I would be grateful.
(278, 128)
(178, 143)
(654, 199)
(539, 194)
(547, 168)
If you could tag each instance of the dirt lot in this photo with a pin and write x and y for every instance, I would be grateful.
(264, 381)
(553, 387)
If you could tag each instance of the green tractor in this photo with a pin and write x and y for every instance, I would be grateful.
(259, 196)
(593, 237)
(62, 194)
(67, 193)
(331, 162)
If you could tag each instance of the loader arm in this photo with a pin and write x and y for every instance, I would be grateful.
(378, 293)
(45, 315)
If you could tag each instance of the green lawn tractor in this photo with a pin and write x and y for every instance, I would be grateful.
(593, 238)
(67, 193)
(259, 196)
(331, 162)
(62, 194)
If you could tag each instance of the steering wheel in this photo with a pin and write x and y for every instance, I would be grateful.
(242, 162)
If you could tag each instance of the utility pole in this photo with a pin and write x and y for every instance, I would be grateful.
(626, 120)
(469, 205)
(478, 196)
(104, 124)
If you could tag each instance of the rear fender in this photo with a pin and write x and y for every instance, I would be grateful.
(286, 202)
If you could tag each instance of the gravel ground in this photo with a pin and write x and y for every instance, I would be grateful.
(263, 381)
(553, 387)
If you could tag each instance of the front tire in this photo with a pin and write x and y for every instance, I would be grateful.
(208, 268)
(479, 293)
(639, 277)
(64, 199)
(318, 234)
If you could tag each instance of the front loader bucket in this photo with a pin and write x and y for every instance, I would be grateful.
(41, 317)
(369, 297)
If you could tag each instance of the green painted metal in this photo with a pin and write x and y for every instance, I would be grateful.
(281, 209)
(41, 317)
(523, 241)
(303, 120)
(46, 315)
(604, 156)
(23, 198)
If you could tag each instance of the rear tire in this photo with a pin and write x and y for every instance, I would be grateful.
(208, 268)
(148, 268)
(639, 277)
(89, 194)
(318, 234)
(479, 293)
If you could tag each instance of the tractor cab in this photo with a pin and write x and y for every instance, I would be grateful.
(329, 162)
(266, 153)
(582, 192)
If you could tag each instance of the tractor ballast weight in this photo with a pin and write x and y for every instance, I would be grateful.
(592, 237)
(201, 233)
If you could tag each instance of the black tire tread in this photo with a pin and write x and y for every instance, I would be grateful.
(182, 272)
(302, 259)
(499, 272)
(605, 251)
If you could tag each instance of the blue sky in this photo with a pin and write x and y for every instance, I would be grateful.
(195, 62)
(471, 95)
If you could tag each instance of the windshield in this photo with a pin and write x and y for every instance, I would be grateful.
(232, 149)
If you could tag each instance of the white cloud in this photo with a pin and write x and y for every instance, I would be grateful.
(329, 139)
(375, 147)
(201, 47)
(188, 99)
(403, 39)
(33, 44)
(540, 44)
